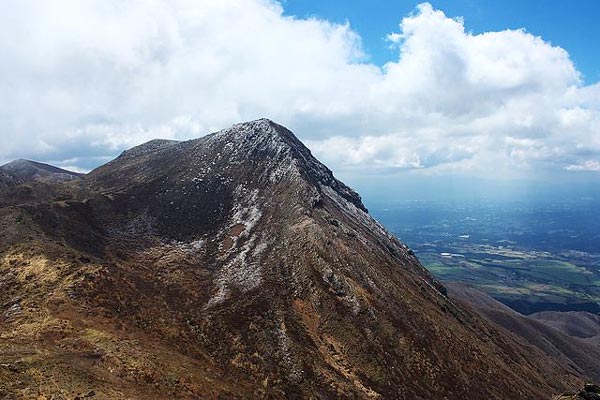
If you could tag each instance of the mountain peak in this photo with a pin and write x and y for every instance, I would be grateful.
(261, 132)
(267, 139)
(28, 170)
(264, 122)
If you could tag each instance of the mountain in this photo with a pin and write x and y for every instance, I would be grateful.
(26, 170)
(234, 266)
(577, 324)
(568, 337)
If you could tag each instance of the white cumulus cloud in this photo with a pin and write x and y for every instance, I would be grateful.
(80, 81)
(588, 165)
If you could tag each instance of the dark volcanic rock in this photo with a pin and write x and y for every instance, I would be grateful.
(236, 266)
(589, 392)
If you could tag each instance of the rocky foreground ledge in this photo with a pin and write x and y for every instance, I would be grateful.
(589, 392)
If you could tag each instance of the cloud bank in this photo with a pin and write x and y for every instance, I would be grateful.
(80, 81)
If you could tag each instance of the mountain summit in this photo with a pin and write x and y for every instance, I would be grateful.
(233, 266)
(27, 170)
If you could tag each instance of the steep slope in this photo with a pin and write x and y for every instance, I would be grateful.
(27, 170)
(234, 266)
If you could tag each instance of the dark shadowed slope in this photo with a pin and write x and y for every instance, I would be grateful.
(235, 266)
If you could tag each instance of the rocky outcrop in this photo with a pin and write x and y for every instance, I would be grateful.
(589, 392)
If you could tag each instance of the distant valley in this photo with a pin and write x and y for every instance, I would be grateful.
(532, 256)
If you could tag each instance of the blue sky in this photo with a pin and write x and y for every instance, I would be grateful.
(572, 25)
(383, 92)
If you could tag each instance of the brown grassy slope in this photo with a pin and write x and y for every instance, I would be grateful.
(578, 354)
(578, 324)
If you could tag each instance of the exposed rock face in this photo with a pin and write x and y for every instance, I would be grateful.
(233, 266)
(589, 392)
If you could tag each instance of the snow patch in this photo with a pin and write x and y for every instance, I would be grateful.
(247, 214)
(243, 271)
(197, 244)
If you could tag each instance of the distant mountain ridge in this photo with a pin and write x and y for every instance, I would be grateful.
(22, 170)
(571, 337)
(577, 324)
(234, 266)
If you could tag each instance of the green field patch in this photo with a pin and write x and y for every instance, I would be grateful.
(505, 290)
(515, 264)
(511, 274)
(561, 272)
(546, 288)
